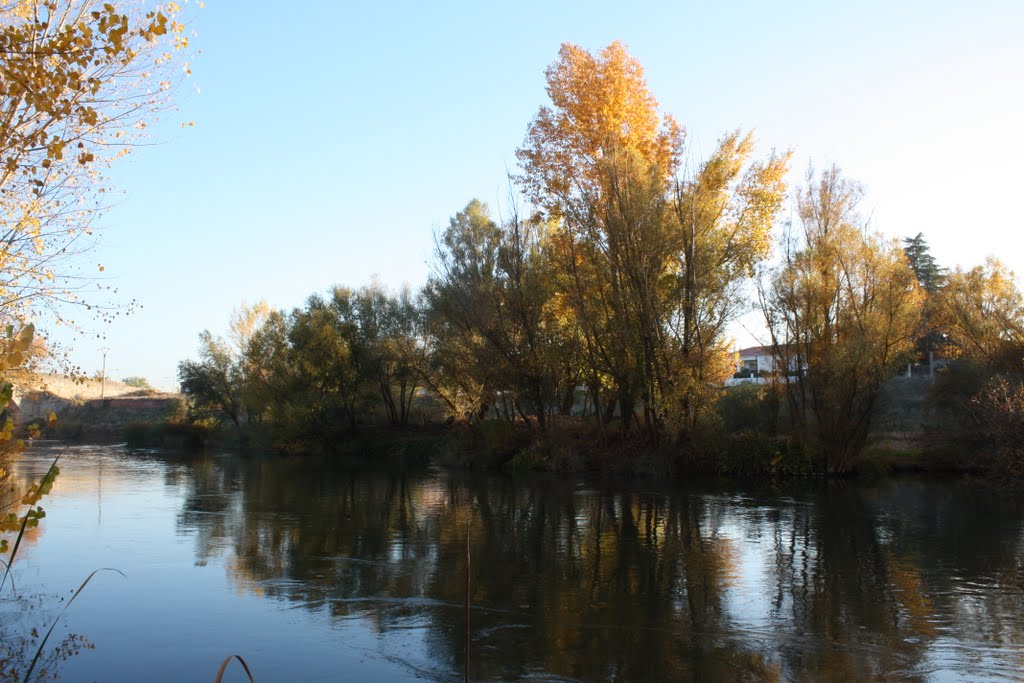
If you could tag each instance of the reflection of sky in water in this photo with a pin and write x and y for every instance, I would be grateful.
(223, 556)
(173, 619)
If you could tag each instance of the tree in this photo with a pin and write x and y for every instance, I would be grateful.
(388, 331)
(599, 159)
(78, 79)
(214, 382)
(650, 262)
(929, 275)
(218, 383)
(932, 278)
(137, 382)
(723, 217)
(843, 311)
(600, 106)
(982, 311)
(497, 333)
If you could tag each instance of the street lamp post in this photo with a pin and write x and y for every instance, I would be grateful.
(103, 374)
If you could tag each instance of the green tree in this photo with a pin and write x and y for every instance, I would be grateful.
(388, 330)
(213, 383)
(932, 278)
(928, 272)
(497, 331)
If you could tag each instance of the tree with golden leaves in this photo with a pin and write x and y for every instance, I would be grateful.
(600, 107)
(982, 311)
(721, 219)
(651, 260)
(78, 79)
(844, 310)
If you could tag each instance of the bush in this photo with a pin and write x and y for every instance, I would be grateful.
(744, 407)
(755, 454)
(956, 384)
(487, 444)
(187, 437)
(530, 458)
(997, 411)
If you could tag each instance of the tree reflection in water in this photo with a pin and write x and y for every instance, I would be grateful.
(592, 583)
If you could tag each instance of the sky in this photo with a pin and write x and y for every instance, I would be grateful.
(332, 139)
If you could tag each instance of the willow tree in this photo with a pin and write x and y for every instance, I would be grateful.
(649, 260)
(982, 311)
(721, 219)
(492, 308)
(843, 310)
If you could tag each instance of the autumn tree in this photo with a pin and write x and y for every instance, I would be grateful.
(598, 159)
(78, 82)
(982, 311)
(600, 105)
(650, 257)
(722, 218)
(843, 310)
(497, 336)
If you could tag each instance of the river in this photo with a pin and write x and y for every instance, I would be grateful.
(315, 573)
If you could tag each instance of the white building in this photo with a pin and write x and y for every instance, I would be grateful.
(756, 360)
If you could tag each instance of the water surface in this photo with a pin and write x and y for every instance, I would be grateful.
(327, 574)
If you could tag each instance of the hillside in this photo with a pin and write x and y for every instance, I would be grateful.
(92, 410)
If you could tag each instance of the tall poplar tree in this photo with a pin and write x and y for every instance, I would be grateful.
(649, 260)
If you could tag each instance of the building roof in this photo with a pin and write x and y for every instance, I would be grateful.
(755, 351)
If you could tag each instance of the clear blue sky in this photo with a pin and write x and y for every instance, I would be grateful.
(332, 138)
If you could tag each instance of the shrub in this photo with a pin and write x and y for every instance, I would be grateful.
(754, 454)
(485, 444)
(744, 407)
(997, 411)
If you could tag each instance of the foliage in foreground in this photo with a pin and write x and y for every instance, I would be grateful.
(78, 81)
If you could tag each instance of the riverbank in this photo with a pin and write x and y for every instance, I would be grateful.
(912, 434)
(575, 446)
(90, 411)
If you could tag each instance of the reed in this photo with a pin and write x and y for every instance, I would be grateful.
(224, 667)
(53, 624)
(50, 475)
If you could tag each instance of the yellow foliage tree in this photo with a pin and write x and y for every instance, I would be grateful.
(78, 79)
(982, 311)
(721, 221)
(650, 261)
(601, 106)
(844, 311)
